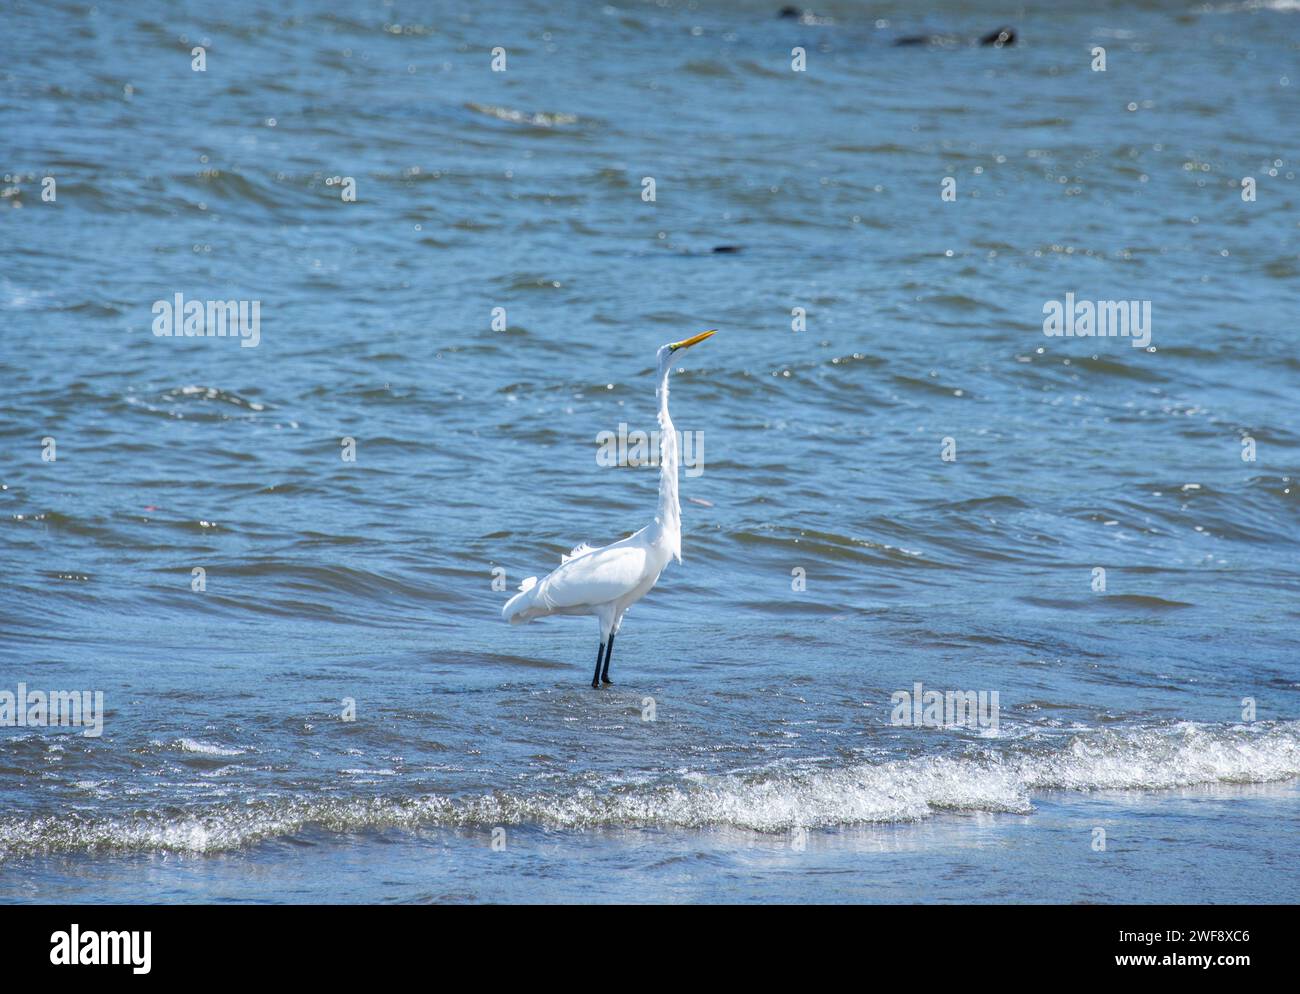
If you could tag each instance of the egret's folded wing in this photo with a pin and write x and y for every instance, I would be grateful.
(600, 576)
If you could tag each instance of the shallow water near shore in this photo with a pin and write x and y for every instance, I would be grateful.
(747, 750)
(1180, 847)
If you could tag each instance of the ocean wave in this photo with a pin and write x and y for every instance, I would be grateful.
(1150, 758)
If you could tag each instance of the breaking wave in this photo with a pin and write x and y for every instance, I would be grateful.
(1149, 758)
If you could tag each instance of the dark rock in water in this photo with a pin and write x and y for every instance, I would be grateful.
(1000, 37)
(727, 249)
(789, 12)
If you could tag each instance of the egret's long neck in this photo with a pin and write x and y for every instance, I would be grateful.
(669, 517)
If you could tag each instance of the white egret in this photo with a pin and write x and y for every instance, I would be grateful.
(604, 582)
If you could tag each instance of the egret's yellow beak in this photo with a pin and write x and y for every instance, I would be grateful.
(686, 343)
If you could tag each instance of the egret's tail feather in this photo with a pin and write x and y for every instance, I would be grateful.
(520, 602)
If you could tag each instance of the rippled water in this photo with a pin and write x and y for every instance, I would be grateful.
(224, 770)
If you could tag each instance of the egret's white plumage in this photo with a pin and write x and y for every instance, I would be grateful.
(605, 582)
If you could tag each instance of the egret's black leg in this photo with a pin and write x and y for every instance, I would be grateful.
(600, 651)
(609, 651)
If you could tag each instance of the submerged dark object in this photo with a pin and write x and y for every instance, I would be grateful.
(1000, 37)
(727, 249)
(943, 40)
(997, 38)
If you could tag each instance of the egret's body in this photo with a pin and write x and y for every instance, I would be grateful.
(605, 582)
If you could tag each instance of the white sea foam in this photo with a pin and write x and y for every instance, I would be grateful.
(1151, 758)
(206, 748)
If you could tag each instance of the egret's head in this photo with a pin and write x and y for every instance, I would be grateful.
(665, 354)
